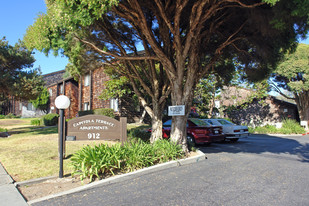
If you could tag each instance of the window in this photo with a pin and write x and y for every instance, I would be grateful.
(87, 80)
(114, 104)
(168, 123)
(61, 89)
(30, 107)
(86, 106)
(50, 92)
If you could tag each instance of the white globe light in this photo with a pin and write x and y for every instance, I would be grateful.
(62, 102)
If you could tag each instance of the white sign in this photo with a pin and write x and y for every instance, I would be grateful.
(176, 110)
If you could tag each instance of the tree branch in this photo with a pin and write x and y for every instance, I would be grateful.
(93, 46)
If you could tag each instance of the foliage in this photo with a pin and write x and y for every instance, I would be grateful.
(267, 129)
(2, 116)
(205, 94)
(137, 133)
(105, 112)
(41, 102)
(101, 111)
(86, 112)
(189, 39)
(35, 122)
(15, 79)
(50, 119)
(3, 130)
(11, 116)
(292, 74)
(115, 88)
(289, 126)
(102, 160)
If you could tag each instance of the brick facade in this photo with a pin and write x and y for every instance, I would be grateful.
(84, 95)
(11, 106)
(98, 79)
(92, 91)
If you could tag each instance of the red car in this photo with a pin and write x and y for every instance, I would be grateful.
(198, 132)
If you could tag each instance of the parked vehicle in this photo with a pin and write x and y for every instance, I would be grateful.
(232, 131)
(198, 132)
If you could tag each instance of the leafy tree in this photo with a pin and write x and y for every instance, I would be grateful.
(42, 101)
(187, 38)
(292, 74)
(16, 78)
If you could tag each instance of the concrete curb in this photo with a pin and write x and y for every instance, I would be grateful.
(119, 178)
(34, 181)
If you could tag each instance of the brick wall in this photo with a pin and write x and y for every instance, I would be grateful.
(53, 93)
(98, 79)
(71, 91)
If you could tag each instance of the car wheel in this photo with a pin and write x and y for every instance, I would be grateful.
(190, 141)
(234, 139)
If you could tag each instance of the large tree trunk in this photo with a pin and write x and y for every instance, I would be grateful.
(182, 95)
(156, 120)
(303, 105)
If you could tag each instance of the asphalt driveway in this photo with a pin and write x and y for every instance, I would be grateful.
(260, 170)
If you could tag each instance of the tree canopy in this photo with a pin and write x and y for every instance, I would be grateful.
(188, 38)
(292, 74)
(17, 79)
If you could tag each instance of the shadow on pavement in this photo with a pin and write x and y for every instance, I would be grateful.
(258, 144)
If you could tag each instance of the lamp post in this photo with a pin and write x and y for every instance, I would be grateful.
(62, 102)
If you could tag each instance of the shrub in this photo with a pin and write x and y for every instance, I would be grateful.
(50, 119)
(83, 113)
(105, 111)
(3, 130)
(166, 150)
(2, 116)
(35, 122)
(290, 126)
(266, 129)
(102, 160)
(97, 160)
(139, 134)
(10, 116)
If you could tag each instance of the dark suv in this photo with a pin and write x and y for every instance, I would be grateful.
(198, 131)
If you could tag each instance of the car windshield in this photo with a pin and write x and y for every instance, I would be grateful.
(210, 122)
(168, 123)
(199, 122)
(224, 122)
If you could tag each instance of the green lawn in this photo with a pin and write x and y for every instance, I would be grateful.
(32, 152)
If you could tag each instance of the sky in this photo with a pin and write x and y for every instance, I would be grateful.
(16, 16)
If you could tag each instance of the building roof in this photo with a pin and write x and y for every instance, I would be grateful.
(53, 78)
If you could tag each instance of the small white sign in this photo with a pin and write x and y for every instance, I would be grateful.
(176, 110)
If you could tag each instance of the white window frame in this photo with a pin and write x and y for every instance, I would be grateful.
(86, 106)
(30, 107)
(87, 80)
(61, 89)
(50, 92)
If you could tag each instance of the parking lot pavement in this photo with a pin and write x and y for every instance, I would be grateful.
(260, 170)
